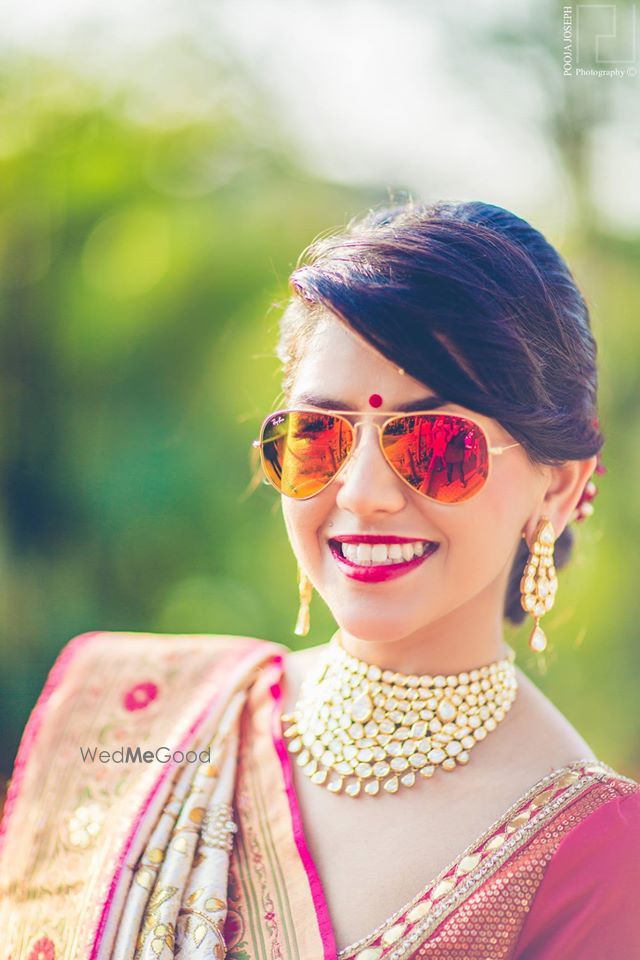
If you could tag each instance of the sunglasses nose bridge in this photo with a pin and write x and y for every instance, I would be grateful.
(368, 486)
(364, 423)
(357, 438)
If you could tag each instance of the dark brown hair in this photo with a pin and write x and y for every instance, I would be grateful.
(473, 302)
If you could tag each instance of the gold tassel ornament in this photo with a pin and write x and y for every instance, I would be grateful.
(539, 582)
(305, 590)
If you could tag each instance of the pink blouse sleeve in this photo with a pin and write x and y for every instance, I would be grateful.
(588, 904)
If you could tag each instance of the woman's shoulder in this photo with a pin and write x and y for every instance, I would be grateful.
(586, 904)
(610, 803)
(112, 689)
(124, 665)
(605, 825)
(119, 714)
(126, 645)
(128, 671)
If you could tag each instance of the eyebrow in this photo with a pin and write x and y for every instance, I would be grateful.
(430, 402)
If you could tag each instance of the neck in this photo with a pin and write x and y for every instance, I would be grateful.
(468, 637)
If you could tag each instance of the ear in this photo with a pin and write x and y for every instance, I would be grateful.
(566, 483)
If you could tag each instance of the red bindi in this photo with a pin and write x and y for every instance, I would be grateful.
(375, 400)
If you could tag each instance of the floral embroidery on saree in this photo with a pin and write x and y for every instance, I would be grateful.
(91, 849)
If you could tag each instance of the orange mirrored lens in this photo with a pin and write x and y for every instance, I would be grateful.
(303, 450)
(443, 457)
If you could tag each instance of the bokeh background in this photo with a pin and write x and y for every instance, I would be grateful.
(162, 165)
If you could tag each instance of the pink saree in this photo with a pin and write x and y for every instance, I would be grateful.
(193, 847)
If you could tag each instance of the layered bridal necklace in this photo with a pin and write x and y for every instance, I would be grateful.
(357, 728)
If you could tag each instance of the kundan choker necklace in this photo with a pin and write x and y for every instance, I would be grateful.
(358, 729)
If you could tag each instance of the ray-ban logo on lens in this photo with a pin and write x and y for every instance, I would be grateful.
(138, 755)
(600, 40)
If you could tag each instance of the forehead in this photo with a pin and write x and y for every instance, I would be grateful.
(338, 362)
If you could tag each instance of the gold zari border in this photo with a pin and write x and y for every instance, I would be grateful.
(573, 780)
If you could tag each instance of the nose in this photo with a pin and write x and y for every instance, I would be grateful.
(367, 484)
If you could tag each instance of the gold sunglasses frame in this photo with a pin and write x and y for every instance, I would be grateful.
(389, 415)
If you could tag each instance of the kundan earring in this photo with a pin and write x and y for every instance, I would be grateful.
(305, 589)
(539, 582)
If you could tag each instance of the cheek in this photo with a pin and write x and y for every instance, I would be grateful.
(481, 535)
(303, 520)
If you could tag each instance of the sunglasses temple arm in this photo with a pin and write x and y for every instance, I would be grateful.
(498, 450)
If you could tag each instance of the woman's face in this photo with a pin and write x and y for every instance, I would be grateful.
(473, 542)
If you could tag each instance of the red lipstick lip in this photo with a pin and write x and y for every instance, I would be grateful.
(376, 573)
(377, 538)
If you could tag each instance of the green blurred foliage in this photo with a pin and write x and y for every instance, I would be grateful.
(137, 269)
(138, 264)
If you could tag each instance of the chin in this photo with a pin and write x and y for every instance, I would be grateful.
(373, 627)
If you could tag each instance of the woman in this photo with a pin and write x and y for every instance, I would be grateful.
(401, 790)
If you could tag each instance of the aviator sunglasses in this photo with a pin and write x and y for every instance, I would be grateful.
(443, 457)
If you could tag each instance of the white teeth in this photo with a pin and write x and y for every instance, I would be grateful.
(350, 551)
(367, 554)
(379, 553)
(364, 553)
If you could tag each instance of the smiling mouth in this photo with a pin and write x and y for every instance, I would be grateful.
(380, 561)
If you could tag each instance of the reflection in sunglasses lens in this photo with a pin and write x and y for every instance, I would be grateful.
(303, 451)
(441, 456)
